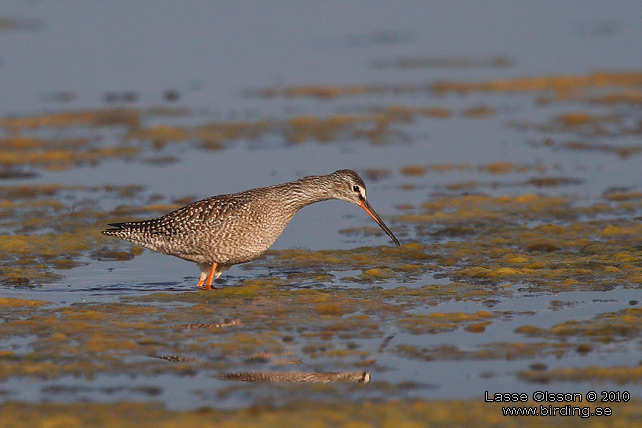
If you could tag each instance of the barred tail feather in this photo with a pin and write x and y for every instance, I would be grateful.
(146, 233)
(126, 228)
(116, 229)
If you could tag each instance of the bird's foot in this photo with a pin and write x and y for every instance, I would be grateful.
(201, 284)
(205, 281)
(206, 287)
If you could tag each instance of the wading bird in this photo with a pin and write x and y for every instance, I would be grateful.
(225, 230)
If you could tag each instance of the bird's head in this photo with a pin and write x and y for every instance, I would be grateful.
(349, 187)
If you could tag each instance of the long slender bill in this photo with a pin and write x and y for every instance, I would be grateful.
(367, 208)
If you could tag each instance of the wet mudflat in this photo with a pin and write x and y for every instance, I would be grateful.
(514, 191)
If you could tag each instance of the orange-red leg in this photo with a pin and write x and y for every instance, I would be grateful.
(210, 278)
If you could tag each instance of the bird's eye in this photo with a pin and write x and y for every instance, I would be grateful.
(355, 188)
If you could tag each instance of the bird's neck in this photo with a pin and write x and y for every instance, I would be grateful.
(309, 190)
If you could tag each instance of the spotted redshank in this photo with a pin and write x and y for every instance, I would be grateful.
(225, 230)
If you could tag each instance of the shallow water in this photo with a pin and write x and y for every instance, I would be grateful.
(483, 295)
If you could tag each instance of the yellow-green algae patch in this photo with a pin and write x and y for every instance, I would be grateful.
(490, 351)
(581, 129)
(78, 138)
(548, 242)
(622, 150)
(65, 148)
(107, 117)
(11, 301)
(211, 136)
(254, 317)
(375, 263)
(618, 374)
(415, 62)
(495, 168)
(561, 85)
(479, 112)
(438, 322)
(490, 240)
(397, 413)
(375, 126)
(583, 122)
(47, 228)
(66, 139)
(61, 154)
(631, 97)
(606, 327)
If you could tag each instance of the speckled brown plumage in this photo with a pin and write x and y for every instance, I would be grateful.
(225, 230)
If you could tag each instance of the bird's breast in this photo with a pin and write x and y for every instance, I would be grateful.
(243, 234)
